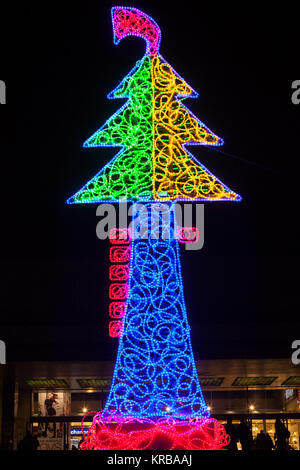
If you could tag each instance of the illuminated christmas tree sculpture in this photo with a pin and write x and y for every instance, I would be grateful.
(155, 400)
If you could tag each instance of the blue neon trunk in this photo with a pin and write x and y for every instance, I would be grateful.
(155, 372)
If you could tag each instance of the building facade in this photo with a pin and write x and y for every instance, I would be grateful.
(52, 398)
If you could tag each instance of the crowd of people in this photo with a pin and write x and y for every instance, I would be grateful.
(240, 433)
(263, 441)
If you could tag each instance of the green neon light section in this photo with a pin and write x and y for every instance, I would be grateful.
(129, 174)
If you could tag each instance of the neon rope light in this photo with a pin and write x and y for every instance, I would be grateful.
(118, 273)
(155, 400)
(119, 236)
(119, 254)
(117, 309)
(115, 328)
(155, 373)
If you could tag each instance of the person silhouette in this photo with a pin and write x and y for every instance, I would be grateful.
(50, 403)
(231, 431)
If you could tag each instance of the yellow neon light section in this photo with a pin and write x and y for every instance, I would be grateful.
(175, 174)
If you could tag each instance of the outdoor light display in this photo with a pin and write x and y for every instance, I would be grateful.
(151, 128)
(187, 234)
(155, 400)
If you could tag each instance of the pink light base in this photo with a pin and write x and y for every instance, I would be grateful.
(117, 433)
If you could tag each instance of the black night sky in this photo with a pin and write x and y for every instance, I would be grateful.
(59, 63)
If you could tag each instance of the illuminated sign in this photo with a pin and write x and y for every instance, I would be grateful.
(211, 381)
(293, 381)
(94, 383)
(251, 381)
